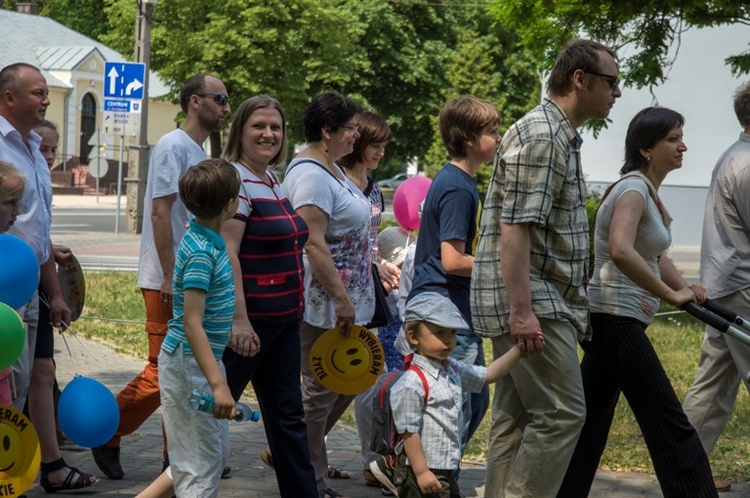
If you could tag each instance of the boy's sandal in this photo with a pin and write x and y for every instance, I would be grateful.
(334, 473)
(329, 493)
(83, 481)
(267, 459)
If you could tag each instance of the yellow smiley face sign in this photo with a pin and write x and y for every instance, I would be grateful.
(347, 365)
(19, 452)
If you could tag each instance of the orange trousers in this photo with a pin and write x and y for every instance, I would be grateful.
(140, 398)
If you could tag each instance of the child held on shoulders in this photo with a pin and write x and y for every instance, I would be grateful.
(11, 191)
(431, 432)
(203, 306)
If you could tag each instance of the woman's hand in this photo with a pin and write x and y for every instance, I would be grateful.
(699, 292)
(243, 340)
(345, 314)
(680, 297)
(389, 273)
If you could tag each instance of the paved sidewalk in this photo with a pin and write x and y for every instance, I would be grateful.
(141, 452)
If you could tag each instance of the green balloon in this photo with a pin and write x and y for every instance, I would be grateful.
(12, 336)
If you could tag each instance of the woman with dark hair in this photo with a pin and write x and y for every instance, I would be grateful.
(264, 241)
(369, 149)
(631, 274)
(338, 281)
(374, 135)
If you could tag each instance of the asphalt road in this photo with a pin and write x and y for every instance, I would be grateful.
(95, 219)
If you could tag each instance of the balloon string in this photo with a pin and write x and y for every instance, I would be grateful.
(67, 327)
(75, 369)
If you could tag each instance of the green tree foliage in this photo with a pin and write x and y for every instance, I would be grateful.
(395, 58)
(649, 30)
(85, 16)
(487, 64)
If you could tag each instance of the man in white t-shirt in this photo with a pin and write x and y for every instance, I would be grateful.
(204, 101)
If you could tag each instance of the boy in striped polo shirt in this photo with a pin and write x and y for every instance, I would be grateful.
(203, 307)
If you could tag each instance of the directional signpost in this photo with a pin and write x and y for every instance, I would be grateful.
(123, 96)
(124, 80)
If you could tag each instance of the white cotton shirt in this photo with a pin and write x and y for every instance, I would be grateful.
(173, 154)
(347, 237)
(610, 291)
(33, 224)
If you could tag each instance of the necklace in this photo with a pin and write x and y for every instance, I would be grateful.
(262, 176)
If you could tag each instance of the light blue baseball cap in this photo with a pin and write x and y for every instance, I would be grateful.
(434, 308)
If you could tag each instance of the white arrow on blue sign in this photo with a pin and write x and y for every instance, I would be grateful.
(124, 80)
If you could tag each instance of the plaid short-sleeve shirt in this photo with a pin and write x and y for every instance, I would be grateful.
(439, 421)
(537, 179)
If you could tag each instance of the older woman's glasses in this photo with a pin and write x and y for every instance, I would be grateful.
(612, 81)
(351, 129)
(219, 98)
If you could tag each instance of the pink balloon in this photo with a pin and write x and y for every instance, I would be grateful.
(406, 200)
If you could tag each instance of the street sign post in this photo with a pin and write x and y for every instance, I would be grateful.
(124, 90)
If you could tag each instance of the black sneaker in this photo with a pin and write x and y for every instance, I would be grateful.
(107, 458)
(382, 469)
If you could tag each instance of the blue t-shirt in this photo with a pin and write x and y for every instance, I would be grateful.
(450, 212)
(202, 263)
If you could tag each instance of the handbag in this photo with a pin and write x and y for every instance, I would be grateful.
(382, 315)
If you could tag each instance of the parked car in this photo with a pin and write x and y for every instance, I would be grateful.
(394, 181)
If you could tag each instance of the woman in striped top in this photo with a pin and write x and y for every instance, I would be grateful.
(265, 241)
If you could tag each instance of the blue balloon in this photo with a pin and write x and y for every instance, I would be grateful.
(88, 412)
(19, 275)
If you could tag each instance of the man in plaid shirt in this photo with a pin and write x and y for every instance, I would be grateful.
(530, 272)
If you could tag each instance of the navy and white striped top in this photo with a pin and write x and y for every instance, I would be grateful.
(271, 249)
(202, 263)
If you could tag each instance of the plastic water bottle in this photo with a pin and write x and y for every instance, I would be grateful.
(204, 402)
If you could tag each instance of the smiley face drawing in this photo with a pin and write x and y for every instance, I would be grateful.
(19, 452)
(11, 450)
(348, 358)
(347, 365)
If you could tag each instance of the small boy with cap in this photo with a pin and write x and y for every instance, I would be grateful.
(431, 431)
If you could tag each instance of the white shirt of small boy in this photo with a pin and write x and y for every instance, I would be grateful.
(437, 423)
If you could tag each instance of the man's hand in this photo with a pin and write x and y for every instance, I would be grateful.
(166, 292)
(59, 314)
(63, 255)
(527, 332)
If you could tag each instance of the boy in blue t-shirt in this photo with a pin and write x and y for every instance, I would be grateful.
(190, 357)
(448, 229)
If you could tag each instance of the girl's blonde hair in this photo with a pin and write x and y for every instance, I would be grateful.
(7, 170)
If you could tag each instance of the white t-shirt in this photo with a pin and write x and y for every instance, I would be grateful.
(610, 291)
(173, 154)
(347, 236)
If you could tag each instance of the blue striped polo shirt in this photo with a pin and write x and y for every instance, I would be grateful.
(202, 263)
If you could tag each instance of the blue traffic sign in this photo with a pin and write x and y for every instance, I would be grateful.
(124, 80)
